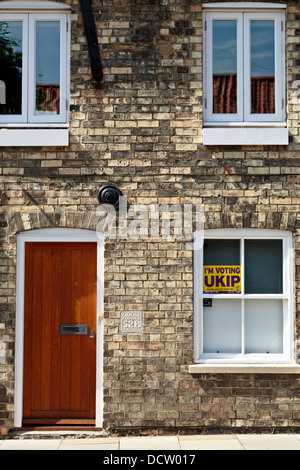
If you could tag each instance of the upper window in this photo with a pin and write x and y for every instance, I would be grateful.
(243, 292)
(244, 65)
(34, 65)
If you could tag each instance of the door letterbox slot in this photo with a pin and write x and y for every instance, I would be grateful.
(73, 329)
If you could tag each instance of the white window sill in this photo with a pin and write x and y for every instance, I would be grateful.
(32, 5)
(36, 125)
(244, 369)
(245, 136)
(243, 5)
(34, 137)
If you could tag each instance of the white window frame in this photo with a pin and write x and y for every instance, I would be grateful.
(209, 115)
(244, 16)
(62, 116)
(17, 118)
(260, 130)
(287, 357)
(279, 25)
(30, 12)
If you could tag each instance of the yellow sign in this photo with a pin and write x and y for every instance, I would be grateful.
(222, 279)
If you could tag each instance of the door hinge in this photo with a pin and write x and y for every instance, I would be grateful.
(205, 25)
(205, 103)
(67, 105)
(67, 26)
(281, 25)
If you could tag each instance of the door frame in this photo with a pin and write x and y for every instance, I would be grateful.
(58, 235)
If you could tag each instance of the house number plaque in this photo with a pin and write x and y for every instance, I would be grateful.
(131, 321)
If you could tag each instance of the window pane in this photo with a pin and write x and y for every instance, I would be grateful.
(11, 67)
(221, 270)
(263, 326)
(47, 67)
(262, 67)
(263, 267)
(225, 66)
(222, 327)
(221, 252)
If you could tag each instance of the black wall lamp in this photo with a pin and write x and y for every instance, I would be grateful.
(109, 194)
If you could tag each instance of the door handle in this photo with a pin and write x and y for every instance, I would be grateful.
(92, 334)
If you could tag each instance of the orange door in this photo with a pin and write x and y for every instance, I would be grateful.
(60, 333)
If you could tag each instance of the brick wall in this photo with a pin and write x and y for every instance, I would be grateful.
(141, 129)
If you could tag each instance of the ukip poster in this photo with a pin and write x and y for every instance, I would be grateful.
(222, 279)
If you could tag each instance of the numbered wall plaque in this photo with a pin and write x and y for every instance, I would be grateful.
(131, 321)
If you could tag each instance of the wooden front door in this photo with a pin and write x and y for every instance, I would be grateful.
(59, 382)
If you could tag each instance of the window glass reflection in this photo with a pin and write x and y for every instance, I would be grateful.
(47, 67)
(225, 66)
(11, 66)
(262, 67)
